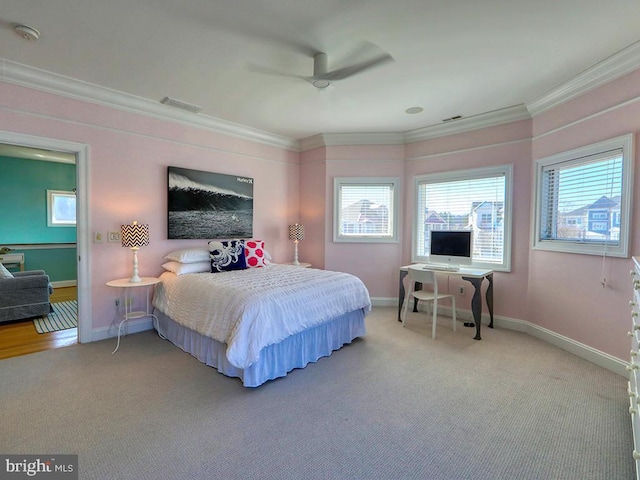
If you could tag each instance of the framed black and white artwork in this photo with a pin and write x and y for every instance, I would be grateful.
(205, 205)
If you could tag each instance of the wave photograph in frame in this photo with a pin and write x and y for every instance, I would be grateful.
(206, 205)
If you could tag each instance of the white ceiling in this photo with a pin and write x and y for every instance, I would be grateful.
(452, 57)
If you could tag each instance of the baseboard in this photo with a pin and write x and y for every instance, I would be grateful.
(567, 344)
(129, 327)
(65, 283)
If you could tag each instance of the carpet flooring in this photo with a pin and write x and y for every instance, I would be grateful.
(394, 404)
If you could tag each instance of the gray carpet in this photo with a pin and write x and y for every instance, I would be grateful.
(393, 405)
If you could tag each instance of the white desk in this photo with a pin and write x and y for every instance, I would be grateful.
(475, 276)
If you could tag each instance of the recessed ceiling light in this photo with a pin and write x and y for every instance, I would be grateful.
(26, 32)
(413, 110)
(321, 83)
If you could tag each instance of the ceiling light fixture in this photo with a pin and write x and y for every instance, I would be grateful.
(413, 110)
(172, 102)
(321, 83)
(26, 32)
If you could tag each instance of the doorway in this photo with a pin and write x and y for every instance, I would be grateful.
(80, 151)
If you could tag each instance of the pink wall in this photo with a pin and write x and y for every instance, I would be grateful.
(376, 264)
(508, 144)
(129, 154)
(313, 172)
(128, 160)
(565, 294)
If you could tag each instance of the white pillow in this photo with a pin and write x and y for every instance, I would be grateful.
(189, 255)
(182, 268)
(4, 273)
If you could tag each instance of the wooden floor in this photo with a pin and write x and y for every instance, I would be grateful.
(21, 338)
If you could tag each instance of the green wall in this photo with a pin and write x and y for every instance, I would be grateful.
(59, 263)
(23, 214)
(23, 200)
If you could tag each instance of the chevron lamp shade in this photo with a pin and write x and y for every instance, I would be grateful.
(296, 232)
(134, 235)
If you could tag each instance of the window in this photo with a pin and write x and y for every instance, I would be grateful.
(583, 199)
(61, 208)
(477, 200)
(365, 210)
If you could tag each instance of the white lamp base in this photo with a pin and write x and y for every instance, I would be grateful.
(295, 253)
(135, 278)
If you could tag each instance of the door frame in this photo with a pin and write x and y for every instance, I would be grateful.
(81, 152)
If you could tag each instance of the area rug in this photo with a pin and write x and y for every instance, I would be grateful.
(64, 316)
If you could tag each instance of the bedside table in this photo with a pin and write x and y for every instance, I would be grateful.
(126, 285)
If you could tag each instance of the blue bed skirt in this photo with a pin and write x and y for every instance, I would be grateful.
(275, 360)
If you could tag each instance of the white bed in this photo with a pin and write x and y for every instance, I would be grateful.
(260, 323)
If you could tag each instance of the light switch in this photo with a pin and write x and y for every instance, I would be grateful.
(114, 237)
(98, 237)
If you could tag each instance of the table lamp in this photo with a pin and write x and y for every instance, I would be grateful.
(296, 233)
(134, 236)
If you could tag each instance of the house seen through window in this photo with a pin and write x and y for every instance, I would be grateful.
(583, 199)
(365, 209)
(477, 200)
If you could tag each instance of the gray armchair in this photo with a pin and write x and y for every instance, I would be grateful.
(25, 295)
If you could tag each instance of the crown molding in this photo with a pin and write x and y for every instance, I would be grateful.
(611, 68)
(467, 124)
(26, 76)
(311, 143)
(616, 66)
(338, 139)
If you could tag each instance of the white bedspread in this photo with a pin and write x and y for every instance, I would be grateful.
(254, 308)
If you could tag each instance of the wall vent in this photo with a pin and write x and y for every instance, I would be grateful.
(172, 102)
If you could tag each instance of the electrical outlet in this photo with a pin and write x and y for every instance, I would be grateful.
(461, 290)
(114, 237)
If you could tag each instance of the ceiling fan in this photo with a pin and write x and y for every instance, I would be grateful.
(322, 77)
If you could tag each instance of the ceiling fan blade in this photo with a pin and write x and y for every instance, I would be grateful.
(271, 71)
(351, 70)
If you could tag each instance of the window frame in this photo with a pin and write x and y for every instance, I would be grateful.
(52, 220)
(470, 174)
(339, 182)
(574, 157)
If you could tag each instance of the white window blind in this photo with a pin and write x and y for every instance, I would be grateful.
(580, 199)
(477, 200)
(583, 199)
(365, 209)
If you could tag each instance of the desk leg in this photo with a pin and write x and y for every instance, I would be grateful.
(476, 303)
(401, 293)
(489, 298)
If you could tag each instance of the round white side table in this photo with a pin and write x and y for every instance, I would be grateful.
(126, 285)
